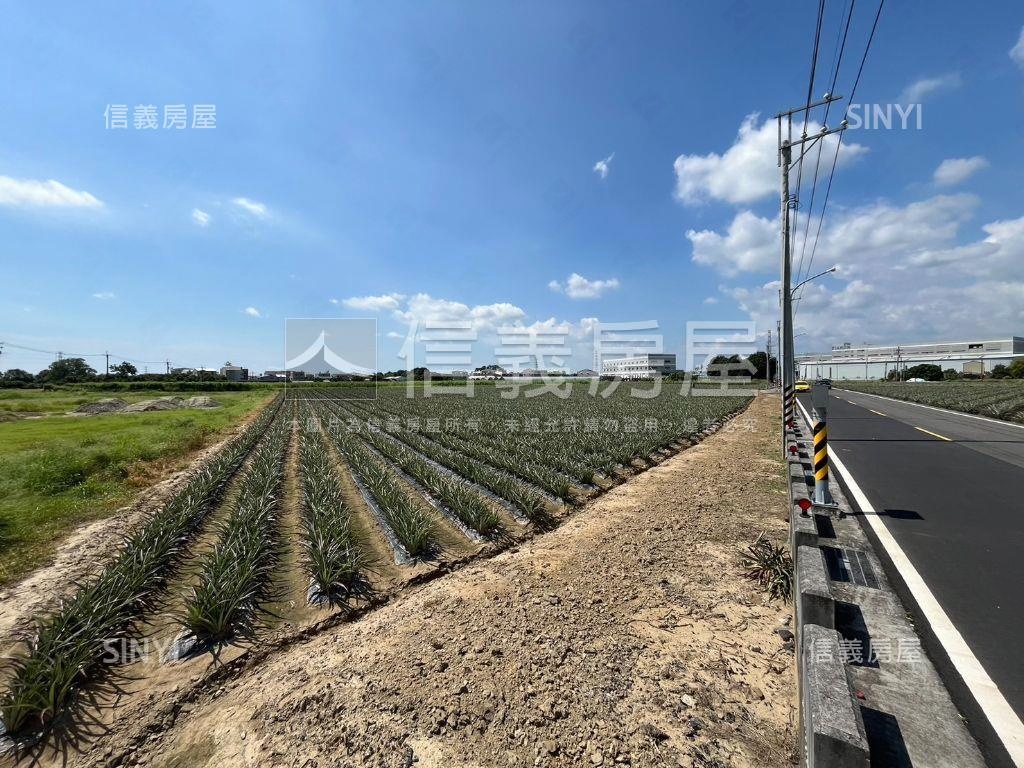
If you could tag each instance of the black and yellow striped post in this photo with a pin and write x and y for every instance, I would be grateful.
(788, 406)
(819, 431)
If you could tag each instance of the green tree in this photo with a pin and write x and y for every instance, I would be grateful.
(761, 362)
(17, 375)
(950, 375)
(1000, 372)
(926, 371)
(722, 365)
(125, 369)
(1016, 368)
(70, 370)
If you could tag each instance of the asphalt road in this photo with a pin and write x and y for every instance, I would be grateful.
(950, 489)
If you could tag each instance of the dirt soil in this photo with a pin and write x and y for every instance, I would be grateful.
(627, 636)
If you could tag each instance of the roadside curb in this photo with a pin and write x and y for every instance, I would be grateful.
(831, 724)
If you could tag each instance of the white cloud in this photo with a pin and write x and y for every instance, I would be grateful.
(748, 170)
(958, 169)
(1017, 52)
(579, 287)
(905, 277)
(426, 308)
(202, 218)
(252, 312)
(334, 301)
(251, 206)
(751, 244)
(601, 167)
(373, 303)
(917, 91)
(32, 193)
(711, 300)
(395, 335)
(104, 295)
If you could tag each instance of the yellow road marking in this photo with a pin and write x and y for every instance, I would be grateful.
(874, 411)
(933, 434)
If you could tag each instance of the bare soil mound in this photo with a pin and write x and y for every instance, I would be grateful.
(166, 403)
(105, 405)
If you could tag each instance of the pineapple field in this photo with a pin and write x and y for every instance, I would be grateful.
(322, 507)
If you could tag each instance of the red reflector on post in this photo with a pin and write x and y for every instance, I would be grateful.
(804, 504)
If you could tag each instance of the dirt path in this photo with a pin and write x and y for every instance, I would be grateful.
(627, 636)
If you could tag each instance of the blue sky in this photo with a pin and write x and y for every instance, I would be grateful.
(439, 160)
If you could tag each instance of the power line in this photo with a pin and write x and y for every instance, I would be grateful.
(839, 143)
(56, 353)
(837, 62)
(807, 108)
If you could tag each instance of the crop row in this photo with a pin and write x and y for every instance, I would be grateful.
(411, 523)
(235, 577)
(454, 493)
(549, 441)
(68, 645)
(332, 554)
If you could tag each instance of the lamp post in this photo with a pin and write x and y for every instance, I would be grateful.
(802, 283)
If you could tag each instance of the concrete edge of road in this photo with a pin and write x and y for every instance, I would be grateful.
(989, 419)
(979, 701)
(831, 724)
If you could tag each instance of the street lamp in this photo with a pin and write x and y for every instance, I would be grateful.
(802, 283)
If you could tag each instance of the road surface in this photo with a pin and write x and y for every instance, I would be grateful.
(949, 489)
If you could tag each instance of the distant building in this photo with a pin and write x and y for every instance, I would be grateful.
(585, 373)
(847, 361)
(488, 373)
(234, 372)
(650, 365)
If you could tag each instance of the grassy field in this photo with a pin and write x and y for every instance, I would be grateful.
(59, 471)
(997, 399)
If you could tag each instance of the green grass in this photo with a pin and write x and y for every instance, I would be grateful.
(57, 472)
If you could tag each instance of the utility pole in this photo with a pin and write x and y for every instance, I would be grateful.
(168, 363)
(107, 355)
(788, 202)
(778, 335)
(768, 359)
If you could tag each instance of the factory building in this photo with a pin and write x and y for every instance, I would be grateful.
(847, 361)
(645, 366)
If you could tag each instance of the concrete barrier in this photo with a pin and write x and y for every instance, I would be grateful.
(831, 720)
(814, 601)
(802, 529)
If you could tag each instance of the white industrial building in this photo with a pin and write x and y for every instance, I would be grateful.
(847, 361)
(646, 366)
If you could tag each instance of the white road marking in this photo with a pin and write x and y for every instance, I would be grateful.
(1000, 714)
(935, 408)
